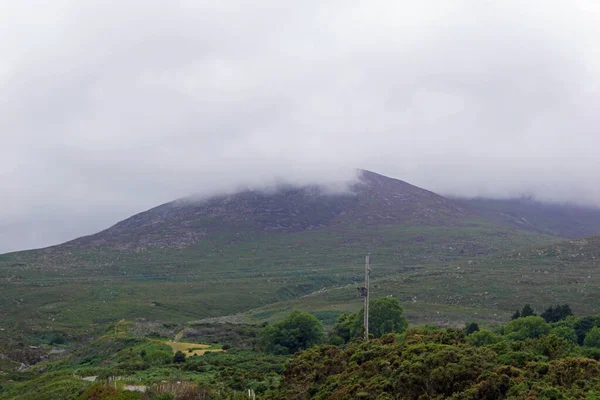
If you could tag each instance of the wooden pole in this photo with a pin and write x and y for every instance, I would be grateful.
(366, 307)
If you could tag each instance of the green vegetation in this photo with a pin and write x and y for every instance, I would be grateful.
(555, 314)
(433, 363)
(524, 358)
(297, 332)
(124, 360)
(79, 291)
(385, 316)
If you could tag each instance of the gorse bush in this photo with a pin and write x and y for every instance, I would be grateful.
(443, 364)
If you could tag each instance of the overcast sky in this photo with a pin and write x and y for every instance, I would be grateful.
(108, 108)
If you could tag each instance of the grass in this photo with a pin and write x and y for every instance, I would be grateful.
(80, 293)
(193, 349)
(486, 289)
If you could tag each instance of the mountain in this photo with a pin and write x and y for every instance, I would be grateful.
(201, 258)
(374, 200)
(562, 220)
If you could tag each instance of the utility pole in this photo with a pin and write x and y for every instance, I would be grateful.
(367, 272)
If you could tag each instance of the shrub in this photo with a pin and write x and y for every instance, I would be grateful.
(158, 357)
(335, 340)
(483, 338)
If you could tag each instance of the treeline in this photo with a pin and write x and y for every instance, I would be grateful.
(551, 356)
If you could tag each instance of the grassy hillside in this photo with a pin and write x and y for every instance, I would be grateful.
(486, 289)
(563, 220)
(262, 253)
(48, 290)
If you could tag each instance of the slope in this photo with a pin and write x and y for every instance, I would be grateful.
(562, 220)
(371, 201)
(486, 289)
(193, 259)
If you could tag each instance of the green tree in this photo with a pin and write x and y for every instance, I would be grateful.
(347, 326)
(526, 327)
(296, 332)
(592, 338)
(385, 316)
(565, 332)
(471, 327)
(158, 357)
(483, 338)
(584, 325)
(179, 357)
(555, 314)
(516, 315)
(527, 311)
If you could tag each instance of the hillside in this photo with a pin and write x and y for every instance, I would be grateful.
(373, 200)
(192, 259)
(487, 288)
(563, 220)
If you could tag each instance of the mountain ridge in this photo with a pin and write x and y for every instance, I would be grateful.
(374, 199)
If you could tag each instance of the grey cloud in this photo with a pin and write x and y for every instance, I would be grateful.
(113, 107)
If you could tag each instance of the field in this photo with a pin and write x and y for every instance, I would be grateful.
(192, 349)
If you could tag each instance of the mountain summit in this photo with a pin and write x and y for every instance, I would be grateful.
(373, 199)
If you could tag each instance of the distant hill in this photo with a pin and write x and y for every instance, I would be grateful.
(561, 220)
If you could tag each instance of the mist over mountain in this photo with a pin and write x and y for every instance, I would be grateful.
(489, 99)
(370, 200)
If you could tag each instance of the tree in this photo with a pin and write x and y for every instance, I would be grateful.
(471, 327)
(483, 338)
(592, 338)
(298, 331)
(516, 315)
(527, 311)
(526, 327)
(555, 314)
(584, 325)
(179, 357)
(347, 326)
(565, 332)
(385, 316)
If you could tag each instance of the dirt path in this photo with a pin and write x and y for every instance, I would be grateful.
(179, 335)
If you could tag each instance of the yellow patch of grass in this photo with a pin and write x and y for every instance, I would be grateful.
(197, 349)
